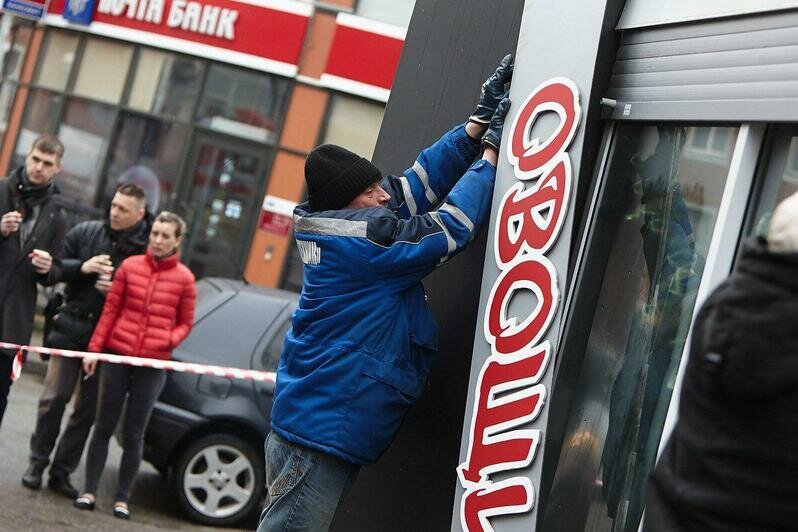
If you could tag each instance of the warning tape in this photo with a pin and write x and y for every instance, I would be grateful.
(171, 365)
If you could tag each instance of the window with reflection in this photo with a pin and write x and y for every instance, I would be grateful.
(148, 152)
(84, 131)
(56, 59)
(7, 91)
(630, 317)
(41, 114)
(16, 47)
(166, 84)
(103, 70)
(778, 178)
(244, 104)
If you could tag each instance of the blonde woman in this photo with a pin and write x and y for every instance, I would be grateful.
(148, 312)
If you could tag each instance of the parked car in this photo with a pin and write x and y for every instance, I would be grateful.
(206, 432)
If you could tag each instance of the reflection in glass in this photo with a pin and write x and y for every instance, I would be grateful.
(147, 152)
(220, 205)
(16, 46)
(41, 114)
(651, 234)
(84, 132)
(103, 70)
(244, 104)
(56, 60)
(166, 84)
(7, 91)
(780, 178)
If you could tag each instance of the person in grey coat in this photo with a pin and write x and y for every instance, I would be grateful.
(31, 240)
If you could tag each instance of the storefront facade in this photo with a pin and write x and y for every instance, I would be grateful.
(575, 378)
(210, 106)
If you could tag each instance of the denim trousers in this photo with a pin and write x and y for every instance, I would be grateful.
(305, 487)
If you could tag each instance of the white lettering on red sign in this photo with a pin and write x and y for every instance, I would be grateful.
(509, 392)
(184, 14)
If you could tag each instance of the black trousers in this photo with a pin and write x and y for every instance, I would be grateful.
(142, 387)
(62, 376)
(6, 363)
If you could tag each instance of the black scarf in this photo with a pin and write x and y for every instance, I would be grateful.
(27, 196)
(132, 241)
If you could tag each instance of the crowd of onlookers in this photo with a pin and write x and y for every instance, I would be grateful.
(124, 292)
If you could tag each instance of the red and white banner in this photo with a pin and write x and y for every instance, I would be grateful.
(265, 35)
(171, 365)
(364, 56)
(506, 428)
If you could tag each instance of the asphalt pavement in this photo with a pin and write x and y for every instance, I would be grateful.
(152, 505)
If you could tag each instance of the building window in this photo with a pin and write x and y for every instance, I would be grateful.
(638, 283)
(103, 70)
(7, 92)
(243, 104)
(55, 60)
(711, 143)
(354, 124)
(148, 152)
(41, 117)
(778, 177)
(15, 48)
(396, 12)
(84, 131)
(166, 84)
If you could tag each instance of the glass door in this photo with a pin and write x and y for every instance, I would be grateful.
(646, 257)
(225, 181)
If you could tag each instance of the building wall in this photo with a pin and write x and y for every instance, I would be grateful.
(215, 168)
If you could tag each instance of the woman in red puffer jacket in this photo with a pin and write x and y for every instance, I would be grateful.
(147, 313)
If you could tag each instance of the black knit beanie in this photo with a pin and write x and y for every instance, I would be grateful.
(335, 176)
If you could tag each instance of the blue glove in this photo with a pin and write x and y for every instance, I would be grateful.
(493, 135)
(492, 92)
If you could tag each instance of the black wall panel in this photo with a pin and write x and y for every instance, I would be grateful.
(451, 47)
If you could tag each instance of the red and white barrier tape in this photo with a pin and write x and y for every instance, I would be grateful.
(171, 365)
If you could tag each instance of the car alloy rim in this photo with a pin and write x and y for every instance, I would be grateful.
(219, 481)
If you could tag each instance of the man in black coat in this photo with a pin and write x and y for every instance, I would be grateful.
(31, 239)
(91, 252)
(732, 461)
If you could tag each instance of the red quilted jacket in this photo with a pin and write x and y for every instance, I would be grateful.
(149, 309)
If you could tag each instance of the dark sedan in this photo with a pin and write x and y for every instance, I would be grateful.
(207, 432)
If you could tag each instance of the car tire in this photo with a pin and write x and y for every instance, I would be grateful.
(219, 480)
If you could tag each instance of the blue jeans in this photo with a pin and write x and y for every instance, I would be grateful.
(305, 486)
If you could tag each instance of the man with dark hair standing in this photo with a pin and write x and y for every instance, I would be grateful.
(91, 252)
(363, 337)
(31, 239)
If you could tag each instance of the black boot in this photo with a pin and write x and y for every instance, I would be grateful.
(61, 484)
(33, 476)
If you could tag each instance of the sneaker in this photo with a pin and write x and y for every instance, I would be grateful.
(61, 484)
(33, 476)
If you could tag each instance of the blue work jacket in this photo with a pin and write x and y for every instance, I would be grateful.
(360, 348)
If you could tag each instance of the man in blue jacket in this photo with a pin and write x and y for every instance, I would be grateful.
(362, 340)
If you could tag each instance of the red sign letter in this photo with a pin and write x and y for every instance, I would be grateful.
(530, 219)
(492, 447)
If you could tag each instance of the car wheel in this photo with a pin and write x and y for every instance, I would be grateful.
(219, 480)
